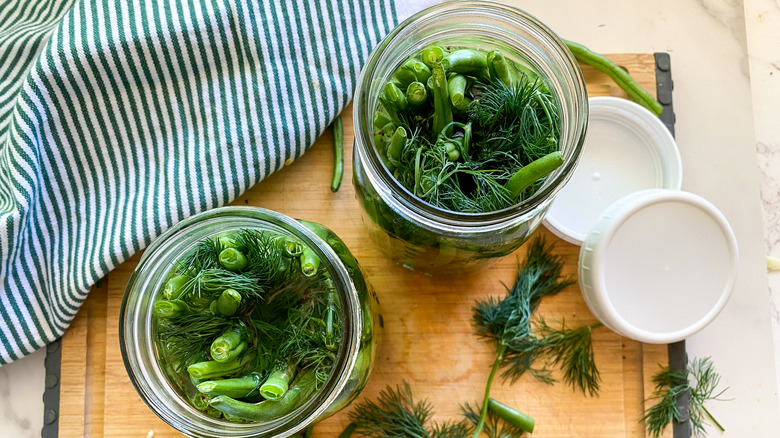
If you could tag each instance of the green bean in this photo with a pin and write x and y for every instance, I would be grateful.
(390, 109)
(170, 308)
(309, 262)
(289, 245)
(499, 68)
(396, 97)
(338, 154)
(442, 108)
(416, 94)
(233, 260)
(397, 144)
(404, 76)
(348, 431)
(467, 62)
(432, 56)
(421, 71)
(175, 286)
(227, 240)
(228, 302)
(456, 86)
(453, 148)
(277, 383)
(620, 76)
(210, 369)
(229, 345)
(512, 416)
(532, 172)
(237, 387)
(268, 410)
(381, 119)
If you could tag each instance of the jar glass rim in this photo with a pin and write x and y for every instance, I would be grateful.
(365, 103)
(134, 342)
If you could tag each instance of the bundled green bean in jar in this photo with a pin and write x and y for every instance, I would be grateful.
(242, 320)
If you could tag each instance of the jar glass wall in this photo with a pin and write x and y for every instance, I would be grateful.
(415, 233)
(170, 397)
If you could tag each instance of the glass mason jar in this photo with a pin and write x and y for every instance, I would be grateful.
(168, 400)
(415, 233)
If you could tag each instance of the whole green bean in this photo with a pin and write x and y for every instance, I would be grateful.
(175, 286)
(268, 410)
(442, 108)
(456, 86)
(210, 369)
(237, 387)
(499, 69)
(338, 154)
(512, 416)
(396, 97)
(620, 76)
(397, 143)
(170, 308)
(532, 172)
(417, 94)
(468, 62)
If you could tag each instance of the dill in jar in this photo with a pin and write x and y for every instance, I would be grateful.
(467, 130)
(247, 325)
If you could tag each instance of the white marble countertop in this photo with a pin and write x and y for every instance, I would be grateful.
(726, 71)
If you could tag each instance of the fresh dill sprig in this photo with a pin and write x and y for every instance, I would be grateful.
(507, 323)
(205, 255)
(699, 381)
(187, 337)
(267, 263)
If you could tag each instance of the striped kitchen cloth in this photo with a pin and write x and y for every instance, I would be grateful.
(119, 118)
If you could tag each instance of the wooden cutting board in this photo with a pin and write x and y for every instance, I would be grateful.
(427, 338)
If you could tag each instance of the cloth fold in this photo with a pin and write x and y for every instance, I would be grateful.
(120, 118)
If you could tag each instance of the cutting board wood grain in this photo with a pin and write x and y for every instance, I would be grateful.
(427, 339)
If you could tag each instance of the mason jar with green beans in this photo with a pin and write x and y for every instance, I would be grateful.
(244, 322)
(469, 118)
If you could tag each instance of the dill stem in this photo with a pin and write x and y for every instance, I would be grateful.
(483, 412)
(722, 429)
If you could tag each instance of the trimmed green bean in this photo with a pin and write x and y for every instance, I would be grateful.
(620, 76)
(170, 308)
(512, 416)
(432, 56)
(397, 144)
(229, 345)
(404, 76)
(277, 383)
(467, 62)
(417, 94)
(210, 369)
(175, 286)
(390, 109)
(233, 260)
(348, 431)
(499, 68)
(456, 86)
(338, 154)
(228, 302)
(381, 119)
(268, 410)
(421, 71)
(291, 246)
(237, 387)
(442, 108)
(532, 173)
(309, 262)
(396, 97)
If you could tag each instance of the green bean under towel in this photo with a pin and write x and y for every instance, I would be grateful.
(120, 118)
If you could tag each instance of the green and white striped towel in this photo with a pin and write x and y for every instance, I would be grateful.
(119, 118)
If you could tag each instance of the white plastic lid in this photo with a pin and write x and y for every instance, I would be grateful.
(627, 149)
(658, 265)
